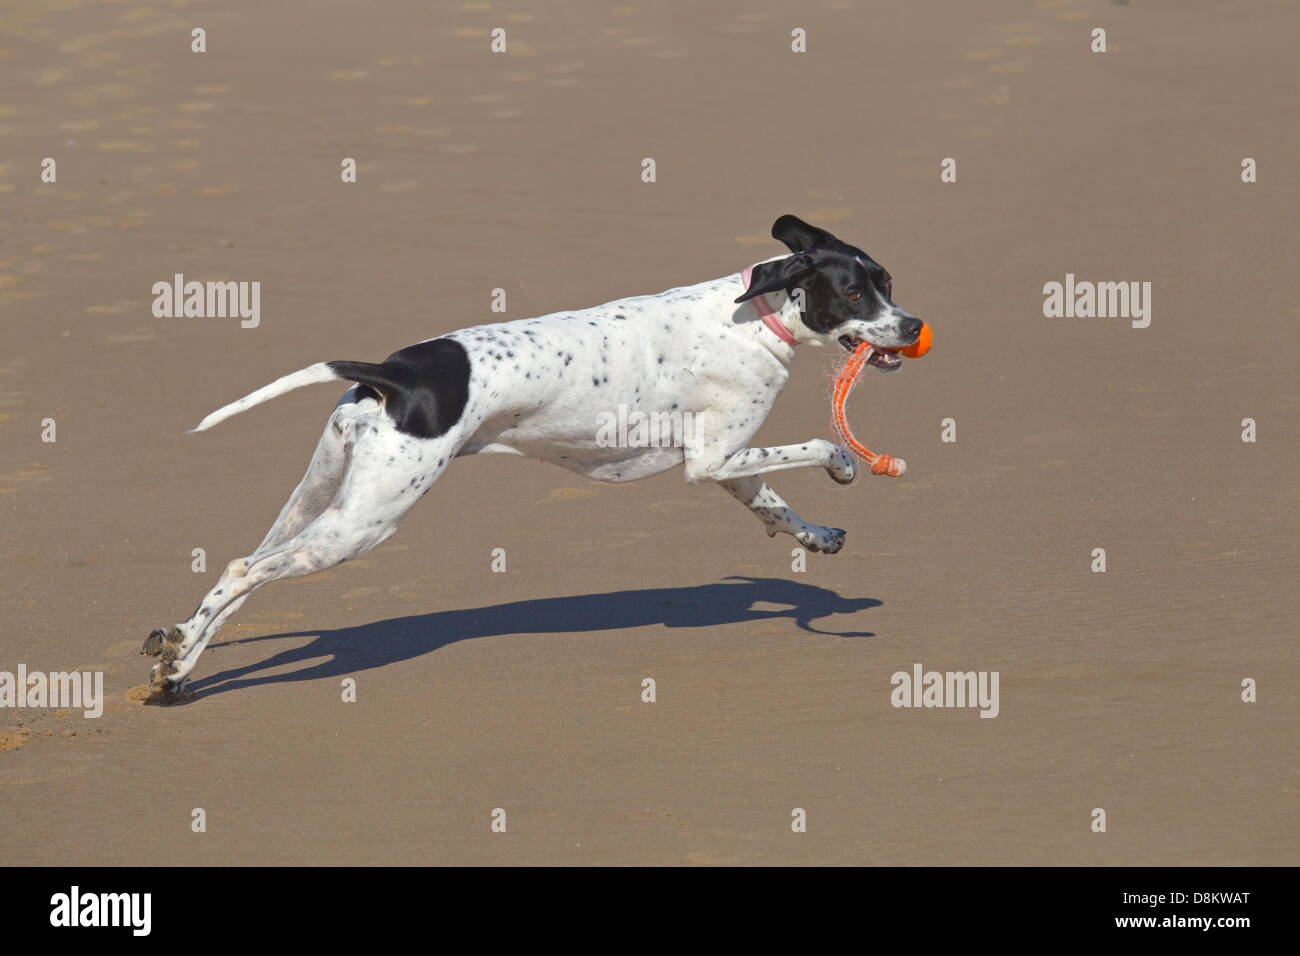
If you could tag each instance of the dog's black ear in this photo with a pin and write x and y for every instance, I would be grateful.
(779, 275)
(798, 235)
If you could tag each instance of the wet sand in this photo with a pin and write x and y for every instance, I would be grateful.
(522, 170)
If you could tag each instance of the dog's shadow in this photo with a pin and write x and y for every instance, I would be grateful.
(349, 650)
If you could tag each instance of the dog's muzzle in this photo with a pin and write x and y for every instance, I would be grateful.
(881, 359)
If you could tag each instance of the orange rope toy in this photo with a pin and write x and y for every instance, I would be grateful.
(846, 378)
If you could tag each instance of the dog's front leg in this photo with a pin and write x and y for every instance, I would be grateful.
(756, 495)
(758, 461)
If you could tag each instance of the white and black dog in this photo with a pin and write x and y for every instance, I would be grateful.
(537, 387)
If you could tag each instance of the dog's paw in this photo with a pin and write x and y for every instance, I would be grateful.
(823, 540)
(164, 644)
(842, 468)
(167, 680)
(165, 688)
(168, 694)
(153, 644)
(833, 541)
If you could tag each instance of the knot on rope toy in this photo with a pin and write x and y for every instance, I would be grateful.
(846, 378)
(888, 465)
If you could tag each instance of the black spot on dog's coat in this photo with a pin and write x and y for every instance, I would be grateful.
(425, 387)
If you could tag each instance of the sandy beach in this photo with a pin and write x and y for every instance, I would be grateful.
(522, 691)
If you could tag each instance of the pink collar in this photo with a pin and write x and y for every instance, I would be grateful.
(765, 311)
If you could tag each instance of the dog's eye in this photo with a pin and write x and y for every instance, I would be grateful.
(853, 296)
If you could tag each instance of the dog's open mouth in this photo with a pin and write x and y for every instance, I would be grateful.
(881, 359)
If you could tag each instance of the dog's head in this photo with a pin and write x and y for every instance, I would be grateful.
(845, 294)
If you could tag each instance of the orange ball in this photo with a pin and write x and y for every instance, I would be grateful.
(921, 345)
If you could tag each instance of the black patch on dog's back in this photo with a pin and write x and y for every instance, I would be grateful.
(424, 387)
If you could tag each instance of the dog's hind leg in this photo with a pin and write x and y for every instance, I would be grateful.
(324, 473)
(312, 496)
(756, 495)
(382, 475)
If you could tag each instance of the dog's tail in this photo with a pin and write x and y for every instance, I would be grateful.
(364, 372)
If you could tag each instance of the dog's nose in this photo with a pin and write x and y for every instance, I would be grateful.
(910, 328)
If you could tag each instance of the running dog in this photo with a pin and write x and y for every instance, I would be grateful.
(718, 350)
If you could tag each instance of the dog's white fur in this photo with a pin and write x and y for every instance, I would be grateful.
(536, 388)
